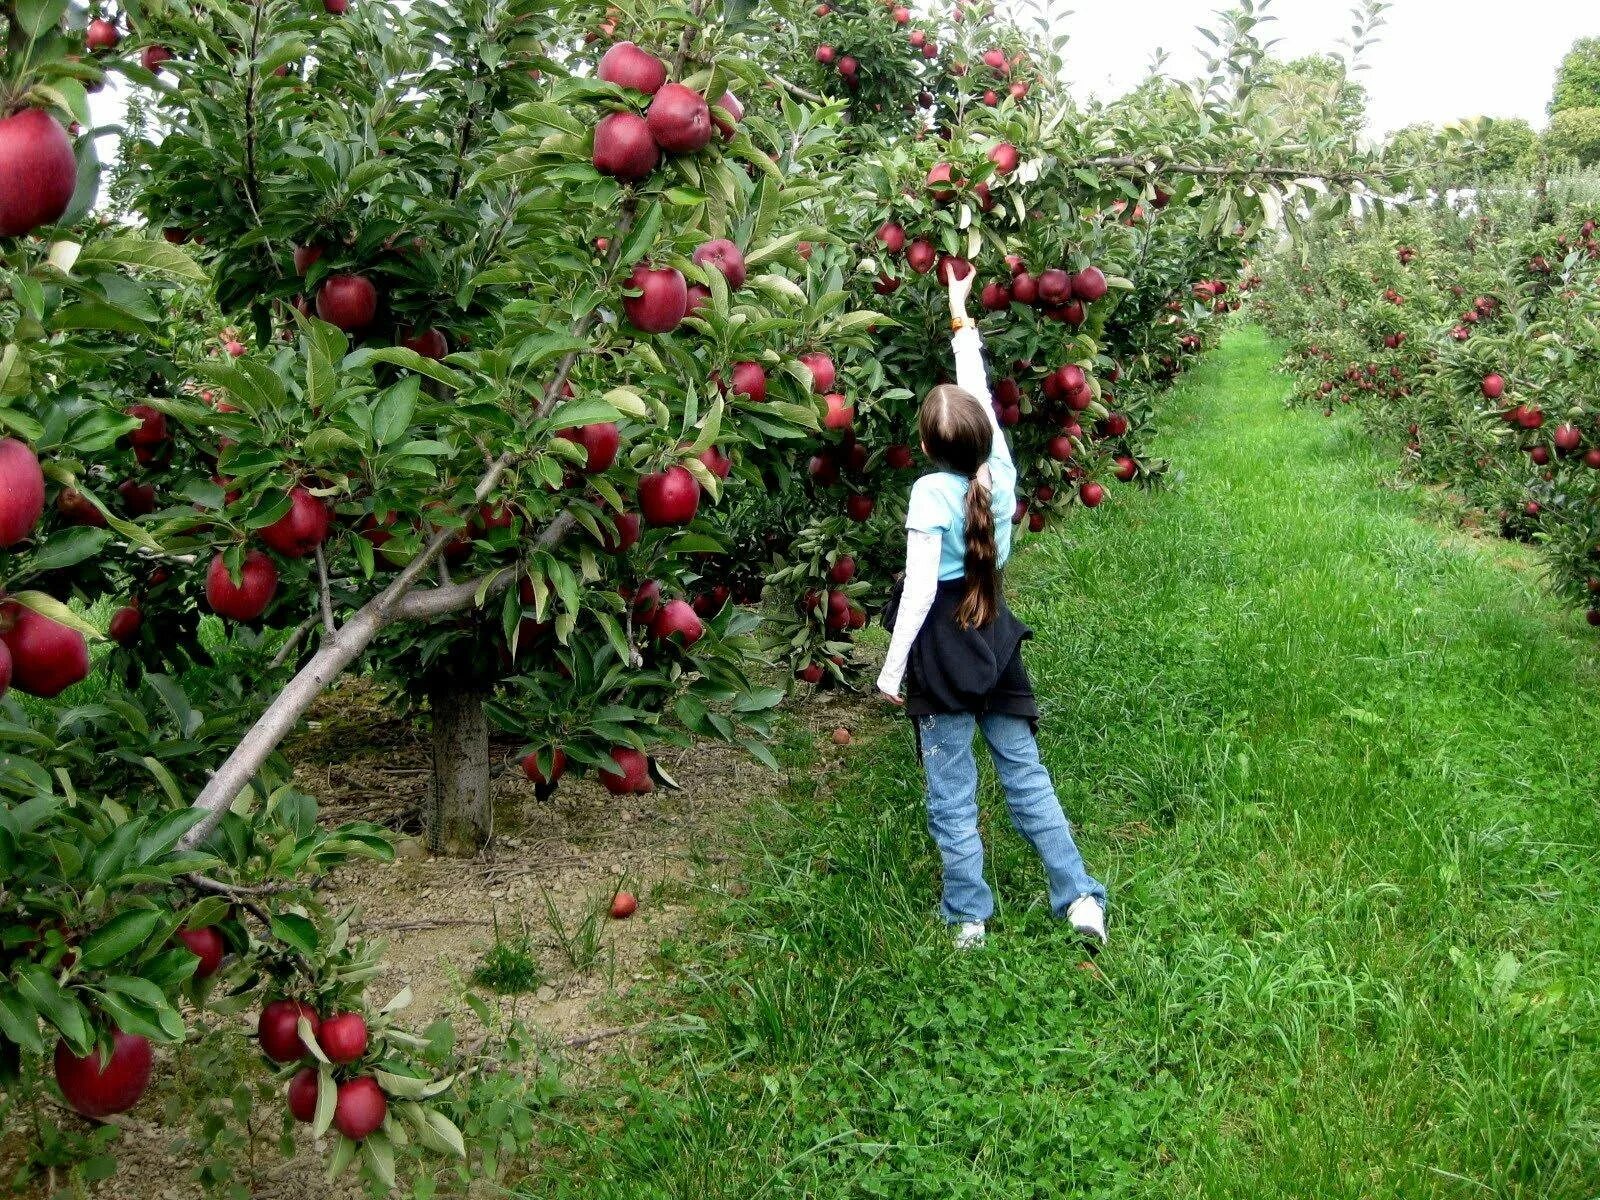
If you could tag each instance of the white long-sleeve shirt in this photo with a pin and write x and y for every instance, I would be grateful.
(938, 550)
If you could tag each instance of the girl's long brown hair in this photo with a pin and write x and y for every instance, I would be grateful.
(958, 437)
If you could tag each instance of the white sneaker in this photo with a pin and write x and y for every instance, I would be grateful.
(969, 934)
(1088, 918)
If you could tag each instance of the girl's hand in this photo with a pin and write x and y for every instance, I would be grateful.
(890, 697)
(960, 289)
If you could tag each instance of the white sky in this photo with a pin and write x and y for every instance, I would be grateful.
(1435, 60)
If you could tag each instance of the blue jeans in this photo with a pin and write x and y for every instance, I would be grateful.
(952, 772)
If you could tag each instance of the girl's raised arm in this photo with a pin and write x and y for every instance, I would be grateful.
(971, 374)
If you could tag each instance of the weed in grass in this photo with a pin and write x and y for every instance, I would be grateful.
(511, 964)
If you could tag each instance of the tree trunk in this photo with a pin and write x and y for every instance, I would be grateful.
(460, 820)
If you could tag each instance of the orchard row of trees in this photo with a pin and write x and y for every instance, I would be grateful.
(1466, 333)
(554, 364)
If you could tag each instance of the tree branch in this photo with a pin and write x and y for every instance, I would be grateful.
(324, 597)
(1154, 166)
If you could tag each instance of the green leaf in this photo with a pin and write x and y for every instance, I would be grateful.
(57, 1007)
(130, 250)
(119, 937)
(68, 547)
(49, 606)
(296, 932)
(18, 1021)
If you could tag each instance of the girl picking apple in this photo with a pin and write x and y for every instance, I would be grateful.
(955, 659)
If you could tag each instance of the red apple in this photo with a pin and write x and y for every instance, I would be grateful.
(600, 442)
(921, 256)
(677, 618)
(40, 172)
(1059, 448)
(859, 507)
(996, 296)
(670, 497)
(21, 491)
(247, 599)
(207, 945)
(343, 1037)
(938, 180)
(1127, 468)
(728, 125)
(537, 774)
(360, 1108)
(1091, 494)
(843, 570)
(151, 57)
(750, 381)
(278, 1029)
(898, 457)
(1025, 288)
(624, 147)
(725, 257)
(623, 906)
(347, 301)
(1005, 158)
(300, 530)
(430, 343)
(124, 626)
(841, 414)
(951, 266)
(826, 54)
(1494, 386)
(98, 1087)
(718, 463)
(1568, 438)
(630, 773)
(663, 299)
(627, 66)
(680, 120)
(1055, 287)
(46, 656)
(305, 256)
(823, 372)
(303, 1094)
(101, 35)
(892, 236)
(627, 534)
(1089, 285)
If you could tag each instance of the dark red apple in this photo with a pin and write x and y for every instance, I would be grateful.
(627, 66)
(152, 429)
(938, 183)
(347, 301)
(1127, 468)
(859, 507)
(305, 257)
(843, 570)
(600, 442)
(624, 147)
(300, 530)
(207, 945)
(430, 343)
(247, 599)
(343, 1037)
(303, 1094)
(699, 297)
(278, 1029)
(892, 236)
(101, 35)
(627, 534)
(952, 267)
(1055, 287)
(750, 381)
(630, 773)
(151, 57)
(728, 125)
(40, 172)
(812, 673)
(663, 298)
(670, 497)
(360, 1108)
(898, 457)
(124, 626)
(1025, 288)
(77, 509)
(1091, 494)
(825, 54)
(1493, 386)
(677, 619)
(996, 296)
(921, 256)
(98, 1087)
(46, 656)
(680, 120)
(1089, 285)
(823, 372)
(21, 491)
(1568, 438)
(725, 257)
(1059, 448)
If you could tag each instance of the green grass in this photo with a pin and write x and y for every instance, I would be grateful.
(1339, 770)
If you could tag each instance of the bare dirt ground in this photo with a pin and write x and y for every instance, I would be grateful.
(549, 876)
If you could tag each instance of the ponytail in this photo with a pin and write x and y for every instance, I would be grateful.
(980, 602)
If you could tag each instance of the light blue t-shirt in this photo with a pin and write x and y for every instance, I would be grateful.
(939, 501)
(939, 505)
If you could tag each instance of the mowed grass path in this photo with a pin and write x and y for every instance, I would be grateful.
(1340, 770)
